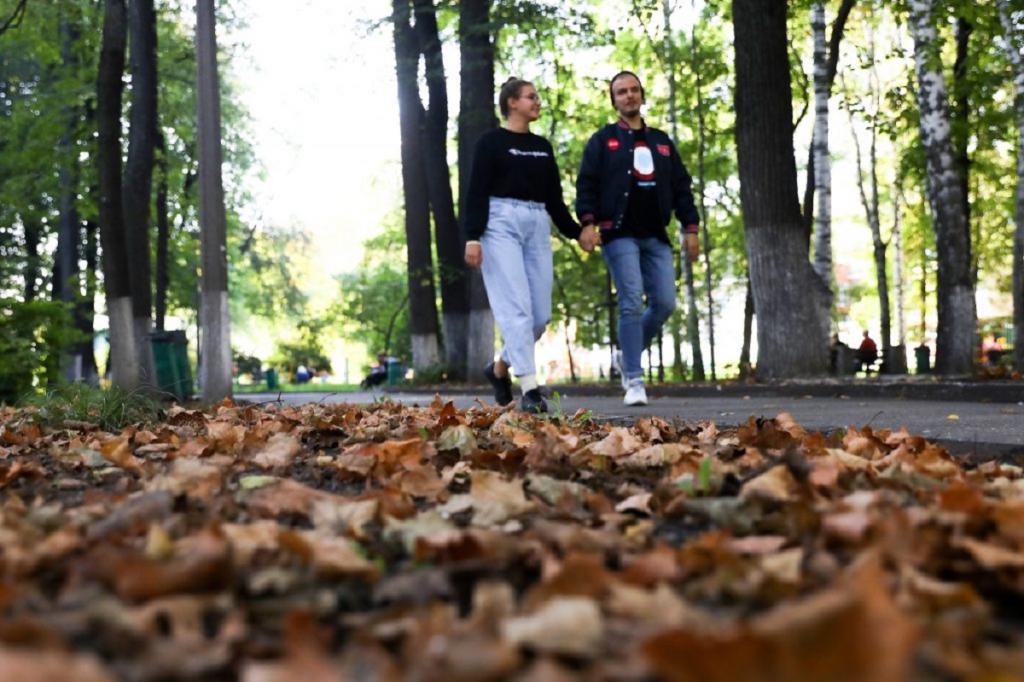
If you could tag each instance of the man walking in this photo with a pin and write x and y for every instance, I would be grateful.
(631, 179)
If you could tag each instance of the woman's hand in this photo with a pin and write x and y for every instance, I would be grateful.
(590, 238)
(474, 254)
(692, 246)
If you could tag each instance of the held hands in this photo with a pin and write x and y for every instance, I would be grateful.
(474, 255)
(692, 246)
(589, 238)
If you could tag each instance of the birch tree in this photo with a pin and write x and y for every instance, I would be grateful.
(820, 148)
(1014, 44)
(954, 351)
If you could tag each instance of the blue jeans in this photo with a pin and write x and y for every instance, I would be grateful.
(638, 267)
(518, 275)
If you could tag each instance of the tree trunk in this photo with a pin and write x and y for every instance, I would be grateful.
(33, 235)
(897, 267)
(961, 120)
(123, 360)
(870, 200)
(954, 352)
(138, 175)
(422, 302)
(792, 329)
(215, 346)
(831, 67)
(1013, 39)
(66, 281)
(476, 115)
(820, 147)
(452, 267)
(748, 328)
(162, 233)
(85, 310)
(692, 321)
(704, 215)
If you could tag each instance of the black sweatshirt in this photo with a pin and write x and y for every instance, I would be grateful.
(514, 166)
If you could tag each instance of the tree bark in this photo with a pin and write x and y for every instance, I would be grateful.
(897, 266)
(954, 352)
(961, 120)
(138, 175)
(85, 310)
(123, 360)
(476, 115)
(820, 148)
(831, 68)
(748, 328)
(162, 233)
(33, 235)
(1014, 44)
(792, 329)
(66, 277)
(447, 236)
(422, 302)
(215, 345)
(704, 215)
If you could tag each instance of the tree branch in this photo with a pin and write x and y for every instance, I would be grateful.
(14, 21)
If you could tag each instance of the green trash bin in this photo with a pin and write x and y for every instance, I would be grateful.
(170, 357)
(273, 380)
(395, 372)
(923, 359)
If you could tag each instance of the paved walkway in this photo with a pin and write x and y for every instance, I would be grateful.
(964, 427)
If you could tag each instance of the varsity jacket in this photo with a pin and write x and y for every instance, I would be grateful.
(606, 178)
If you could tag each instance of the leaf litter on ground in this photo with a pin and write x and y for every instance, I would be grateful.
(396, 542)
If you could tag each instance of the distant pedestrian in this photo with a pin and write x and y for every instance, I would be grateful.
(514, 193)
(867, 352)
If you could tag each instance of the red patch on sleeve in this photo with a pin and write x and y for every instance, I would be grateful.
(613, 143)
(663, 149)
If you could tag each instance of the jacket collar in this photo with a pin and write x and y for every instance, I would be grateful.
(623, 124)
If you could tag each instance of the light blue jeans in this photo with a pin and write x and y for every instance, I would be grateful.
(518, 274)
(638, 267)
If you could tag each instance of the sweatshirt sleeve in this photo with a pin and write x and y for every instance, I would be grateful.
(588, 181)
(555, 204)
(474, 222)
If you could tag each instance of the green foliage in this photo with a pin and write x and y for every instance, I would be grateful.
(373, 301)
(110, 409)
(306, 348)
(32, 336)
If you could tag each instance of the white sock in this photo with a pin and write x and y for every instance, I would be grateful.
(527, 382)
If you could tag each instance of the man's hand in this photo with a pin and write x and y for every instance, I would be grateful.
(589, 238)
(692, 246)
(474, 254)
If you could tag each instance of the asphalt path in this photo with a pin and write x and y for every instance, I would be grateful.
(991, 429)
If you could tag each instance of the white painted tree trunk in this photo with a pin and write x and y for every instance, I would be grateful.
(1013, 45)
(215, 347)
(820, 145)
(425, 351)
(954, 351)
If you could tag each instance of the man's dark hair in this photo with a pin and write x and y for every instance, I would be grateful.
(620, 74)
(510, 89)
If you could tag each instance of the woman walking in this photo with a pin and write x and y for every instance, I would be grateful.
(514, 193)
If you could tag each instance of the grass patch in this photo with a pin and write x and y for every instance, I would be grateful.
(111, 409)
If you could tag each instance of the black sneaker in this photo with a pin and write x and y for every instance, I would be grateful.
(533, 401)
(502, 385)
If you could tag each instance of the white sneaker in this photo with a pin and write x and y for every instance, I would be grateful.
(617, 364)
(636, 394)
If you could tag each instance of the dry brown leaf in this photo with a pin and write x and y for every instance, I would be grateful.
(278, 452)
(569, 626)
(618, 443)
(774, 485)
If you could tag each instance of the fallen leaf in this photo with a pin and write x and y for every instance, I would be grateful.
(278, 452)
(569, 626)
